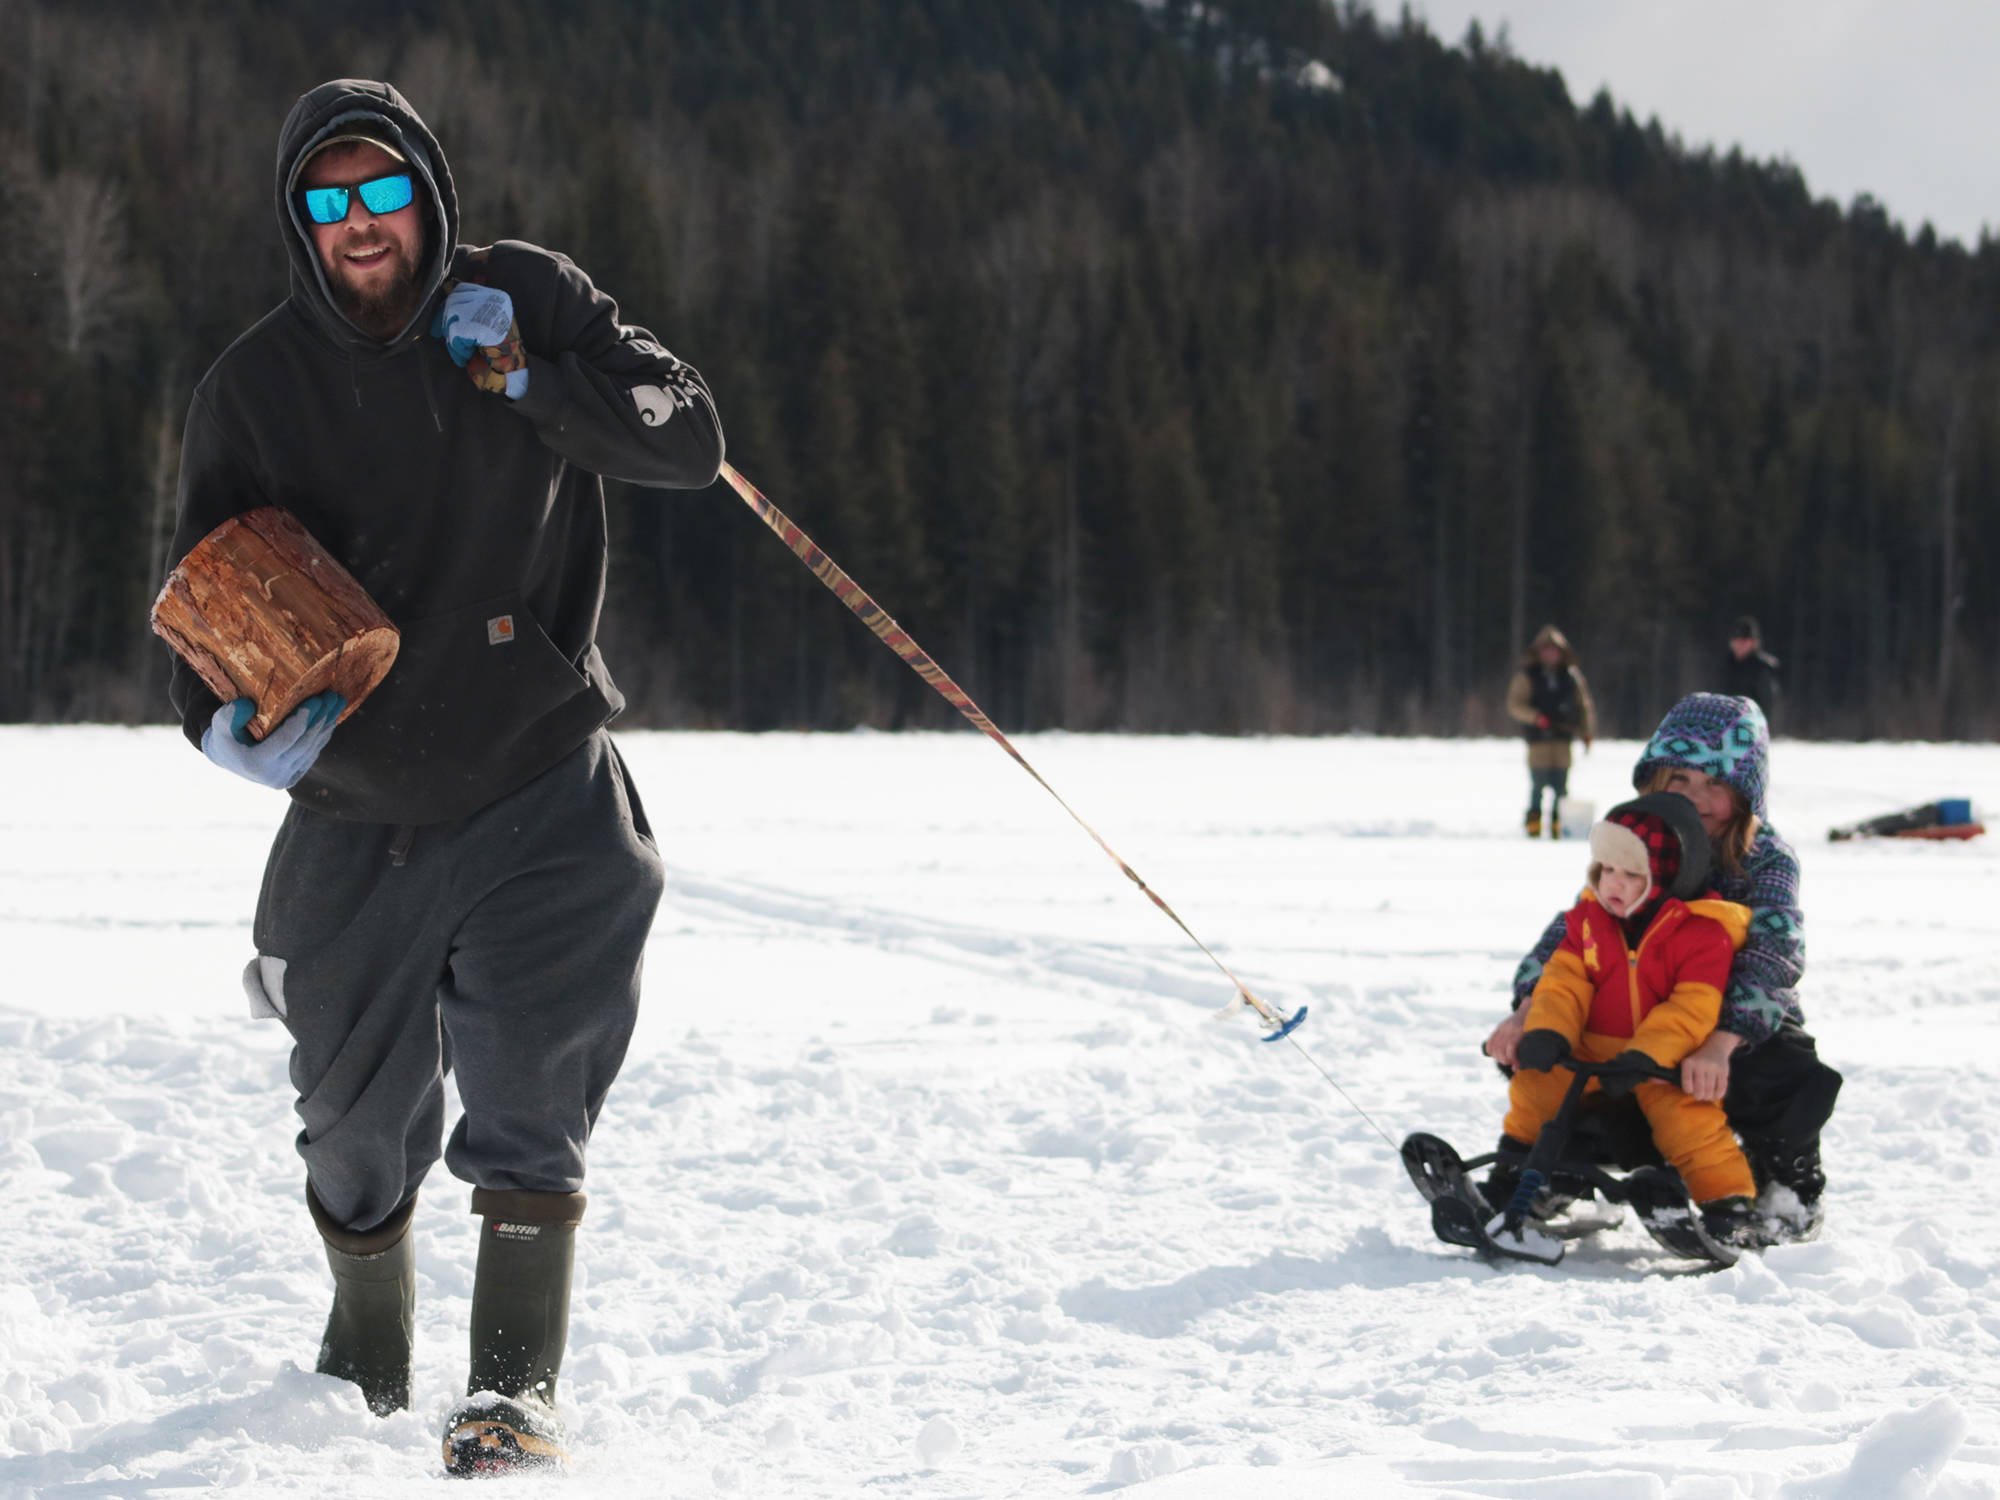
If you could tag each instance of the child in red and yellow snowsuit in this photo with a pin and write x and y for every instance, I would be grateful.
(1640, 970)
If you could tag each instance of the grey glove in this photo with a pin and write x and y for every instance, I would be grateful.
(284, 755)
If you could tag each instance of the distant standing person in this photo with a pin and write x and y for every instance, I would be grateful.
(1749, 671)
(1549, 698)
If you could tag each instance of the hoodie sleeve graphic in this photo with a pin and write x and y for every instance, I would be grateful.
(606, 395)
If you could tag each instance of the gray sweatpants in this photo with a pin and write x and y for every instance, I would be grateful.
(505, 948)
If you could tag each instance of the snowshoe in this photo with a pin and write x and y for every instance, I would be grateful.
(493, 1434)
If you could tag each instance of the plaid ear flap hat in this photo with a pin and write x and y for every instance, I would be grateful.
(1717, 735)
(1659, 834)
(1639, 843)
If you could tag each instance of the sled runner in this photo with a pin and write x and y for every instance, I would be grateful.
(1584, 1152)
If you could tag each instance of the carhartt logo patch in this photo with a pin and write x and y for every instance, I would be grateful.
(499, 630)
(655, 405)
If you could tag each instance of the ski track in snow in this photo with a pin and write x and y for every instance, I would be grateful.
(929, 1174)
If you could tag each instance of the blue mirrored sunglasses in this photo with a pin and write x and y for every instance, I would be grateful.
(382, 195)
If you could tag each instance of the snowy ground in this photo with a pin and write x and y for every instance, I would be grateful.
(930, 1175)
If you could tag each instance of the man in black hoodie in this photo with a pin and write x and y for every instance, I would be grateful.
(465, 878)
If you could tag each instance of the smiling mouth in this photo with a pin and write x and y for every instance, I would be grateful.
(366, 256)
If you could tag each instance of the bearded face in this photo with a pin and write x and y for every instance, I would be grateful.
(372, 261)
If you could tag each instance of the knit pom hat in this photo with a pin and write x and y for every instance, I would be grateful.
(1718, 736)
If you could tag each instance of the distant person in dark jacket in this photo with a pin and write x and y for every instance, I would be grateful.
(1749, 671)
(1550, 700)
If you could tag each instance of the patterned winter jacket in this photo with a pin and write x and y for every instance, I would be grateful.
(1662, 997)
(1726, 737)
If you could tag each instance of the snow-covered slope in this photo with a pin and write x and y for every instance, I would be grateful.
(930, 1174)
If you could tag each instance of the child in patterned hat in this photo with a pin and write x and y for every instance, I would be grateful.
(1638, 980)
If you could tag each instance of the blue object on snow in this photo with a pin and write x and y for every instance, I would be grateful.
(1954, 811)
(1291, 1025)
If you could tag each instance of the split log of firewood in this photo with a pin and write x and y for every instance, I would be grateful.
(261, 610)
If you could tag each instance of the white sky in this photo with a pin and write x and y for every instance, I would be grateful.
(1896, 98)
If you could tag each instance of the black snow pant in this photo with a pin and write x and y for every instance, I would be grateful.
(1780, 1094)
(503, 947)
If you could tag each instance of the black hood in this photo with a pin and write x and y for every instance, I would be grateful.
(373, 109)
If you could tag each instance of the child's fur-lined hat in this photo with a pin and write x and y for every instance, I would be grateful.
(1659, 836)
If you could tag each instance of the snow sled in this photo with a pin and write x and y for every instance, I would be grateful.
(1599, 1149)
(1947, 818)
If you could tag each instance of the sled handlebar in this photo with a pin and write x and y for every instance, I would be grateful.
(1598, 1069)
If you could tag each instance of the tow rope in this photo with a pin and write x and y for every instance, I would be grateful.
(897, 639)
(1277, 1025)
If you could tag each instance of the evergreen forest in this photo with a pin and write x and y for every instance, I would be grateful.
(1244, 366)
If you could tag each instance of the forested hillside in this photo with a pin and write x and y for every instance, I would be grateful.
(1250, 365)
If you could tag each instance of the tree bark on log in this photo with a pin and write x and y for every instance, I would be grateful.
(259, 609)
